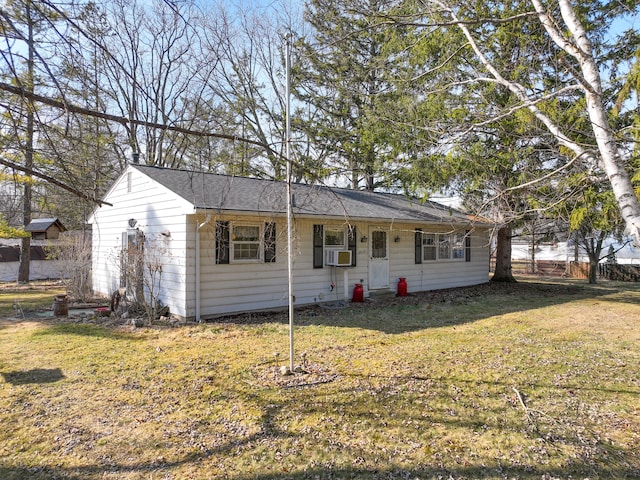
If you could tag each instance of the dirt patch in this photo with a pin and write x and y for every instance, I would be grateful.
(308, 375)
(386, 300)
(461, 294)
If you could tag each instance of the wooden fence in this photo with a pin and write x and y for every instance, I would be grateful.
(559, 268)
(623, 273)
(551, 268)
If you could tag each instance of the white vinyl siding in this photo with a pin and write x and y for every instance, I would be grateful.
(228, 288)
(433, 275)
(170, 223)
(156, 210)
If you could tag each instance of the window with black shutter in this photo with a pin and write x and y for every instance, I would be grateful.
(318, 246)
(418, 246)
(467, 246)
(222, 242)
(269, 242)
(352, 244)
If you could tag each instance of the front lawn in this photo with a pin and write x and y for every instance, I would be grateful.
(538, 380)
(20, 300)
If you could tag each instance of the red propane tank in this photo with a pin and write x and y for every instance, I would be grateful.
(402, 287)
(358, 293)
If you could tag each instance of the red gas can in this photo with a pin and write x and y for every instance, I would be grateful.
(358, 293)
(402, 287)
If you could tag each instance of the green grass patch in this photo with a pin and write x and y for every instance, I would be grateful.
(538, 380)
(18, 300)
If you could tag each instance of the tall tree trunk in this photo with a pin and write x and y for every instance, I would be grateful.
(579, 47)
(572, 38)
(593, 271)
(503, 271)
(25, 250)
(593, 246)
(533, 247)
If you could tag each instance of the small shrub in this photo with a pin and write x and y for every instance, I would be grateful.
(74, 253)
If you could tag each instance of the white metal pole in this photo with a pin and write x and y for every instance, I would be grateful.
(289, 200)
(198, 293)
(345, 279)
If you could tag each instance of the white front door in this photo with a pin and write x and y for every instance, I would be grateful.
(378, 259)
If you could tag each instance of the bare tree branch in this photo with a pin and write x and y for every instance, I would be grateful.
(124, 121)
(53, 181)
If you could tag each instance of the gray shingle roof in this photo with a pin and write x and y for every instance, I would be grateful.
(43, 224)
(211, 191)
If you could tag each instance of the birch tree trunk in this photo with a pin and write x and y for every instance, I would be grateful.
(610, 159)
(588, 79)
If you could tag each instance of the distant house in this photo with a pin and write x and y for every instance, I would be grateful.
(221, 241)
(625, 253)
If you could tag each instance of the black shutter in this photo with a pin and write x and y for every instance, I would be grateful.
(418, 245)
(222, 242)
(467, 246)
(352, 244)
(318, 244)
(270, 242)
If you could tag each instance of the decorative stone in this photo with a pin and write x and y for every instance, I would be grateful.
(137, 322)
(284, 371)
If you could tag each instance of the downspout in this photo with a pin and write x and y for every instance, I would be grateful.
(200, 227)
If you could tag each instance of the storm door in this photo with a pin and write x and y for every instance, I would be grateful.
(378, 259)
(132, 264)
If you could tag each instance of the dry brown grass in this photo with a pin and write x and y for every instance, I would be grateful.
(529, 381)
(15, 299)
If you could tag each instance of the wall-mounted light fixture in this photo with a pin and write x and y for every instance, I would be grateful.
(363, 239)
(397, 239)
(132, 222)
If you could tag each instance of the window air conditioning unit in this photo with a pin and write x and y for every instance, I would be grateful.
(338, 258)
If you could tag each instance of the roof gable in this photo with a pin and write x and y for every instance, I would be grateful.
(138, 177)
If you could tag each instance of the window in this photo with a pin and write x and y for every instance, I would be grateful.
(132, 263)
(332, 238)
(429, 247)
(458, 246)
(379, 244)
(432, 247)
(245, 242)
(444, 247)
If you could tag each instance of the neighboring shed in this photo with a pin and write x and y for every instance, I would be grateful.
(45, 228)
(217, 244)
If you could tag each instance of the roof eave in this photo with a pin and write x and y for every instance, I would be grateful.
(255, 213)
